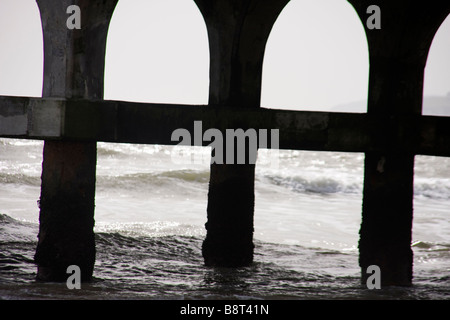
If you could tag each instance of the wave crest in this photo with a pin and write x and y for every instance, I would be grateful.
(321, 185)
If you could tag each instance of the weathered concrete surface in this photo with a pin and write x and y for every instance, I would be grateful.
(67, 200)
(73, 68)
(237, 32)
(397, 54)
(74, 59)
(147, 123)
(31, 117)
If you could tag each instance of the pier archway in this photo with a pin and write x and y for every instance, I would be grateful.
(21, 54)
(436, 92)
(21, 65)
(316, 59)
(431, 179)
(157, 51)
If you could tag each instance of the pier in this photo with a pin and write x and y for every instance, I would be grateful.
(72, 116)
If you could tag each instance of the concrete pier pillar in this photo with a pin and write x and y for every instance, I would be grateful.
(397, 53)
(73, 68)
(237, 33)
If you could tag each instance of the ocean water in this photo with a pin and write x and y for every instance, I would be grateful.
(150, 216)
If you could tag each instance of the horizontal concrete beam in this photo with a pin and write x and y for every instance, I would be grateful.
(32, 118)
(145, 123)
(116, 121)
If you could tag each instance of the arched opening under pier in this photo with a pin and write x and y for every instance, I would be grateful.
(21, 56)
(157, 52)
(431, 173)
(21, 70)
(316, 59)
(436, 91)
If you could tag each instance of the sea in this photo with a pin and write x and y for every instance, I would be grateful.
(150, 224)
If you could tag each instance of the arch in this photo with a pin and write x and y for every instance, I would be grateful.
(150, 58)
(21, 56)
(21, 65)
(316, 59)
(431, 177)
(436, 91)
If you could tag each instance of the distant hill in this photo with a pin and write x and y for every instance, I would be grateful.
(432, 106)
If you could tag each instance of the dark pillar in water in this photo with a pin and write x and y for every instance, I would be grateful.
(73, 68)
(398, 53)
(237, 32)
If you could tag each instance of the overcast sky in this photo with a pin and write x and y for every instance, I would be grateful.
(158, 52)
